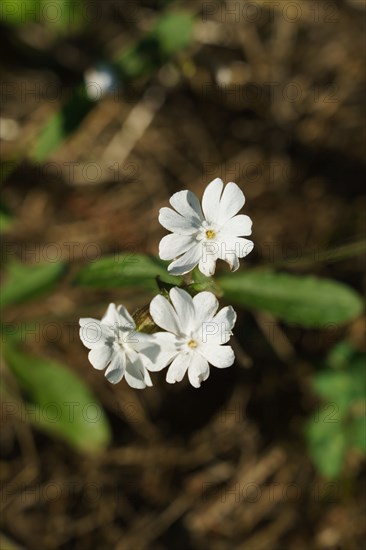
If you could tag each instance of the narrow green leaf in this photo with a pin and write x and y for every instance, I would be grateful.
(304, 300)
(58, 402)
(125, 270)
(24, 281)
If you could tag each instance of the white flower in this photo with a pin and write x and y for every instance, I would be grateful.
(195, 335)
(114, 341)
(201, 236)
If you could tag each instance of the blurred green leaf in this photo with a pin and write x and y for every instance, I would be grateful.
(6, 219)
(24, 281)
(358, 432)
(343, 386)
(172, 33)
(327, 444)
(308, 301)
(58, 401)
(63, 16)
(125, 270)
(339, 424)
(17, 12)
(66, 17)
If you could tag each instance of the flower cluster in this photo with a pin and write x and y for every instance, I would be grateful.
(191, 332)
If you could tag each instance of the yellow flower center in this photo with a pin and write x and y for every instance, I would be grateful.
(192, 344)
(210, 234)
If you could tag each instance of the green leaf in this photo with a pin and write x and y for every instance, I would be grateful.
(307, 301)
(17, 12)
(6, 219)
(172, 33)
(357, 432)
(342, 386)
(340, 423)
(125, 270)
(24, 282)
(58, 401)
(61, 15)
(327, 444)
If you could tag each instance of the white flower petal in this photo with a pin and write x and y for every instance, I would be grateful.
(187, 204)
(219, 356)
(198, 370)
(143, 342)
(232, 201)
(218, 330)
(176, 223)
(125, 318)
(211, 200)
(178, 368)
(135, 375)
(93, 333)
(238, 226)
(164, 358)
(205, 305)
(147, 378)
(163, 314)
(100, 356)
(187, 262)
(207, 265)
(116, 369)
(183, 305)
(229, 256)
(111, 316)
(163, 352)
(174, 245)
(238, 246)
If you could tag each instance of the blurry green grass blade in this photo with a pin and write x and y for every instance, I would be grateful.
(327, 444)
(125, 270)
(24, 281)
(62, 124)
(172, 33)
(59, 402)
(304, 300)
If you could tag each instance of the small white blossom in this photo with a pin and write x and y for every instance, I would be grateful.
(195, 335)
(114, 342)
(202, 235)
